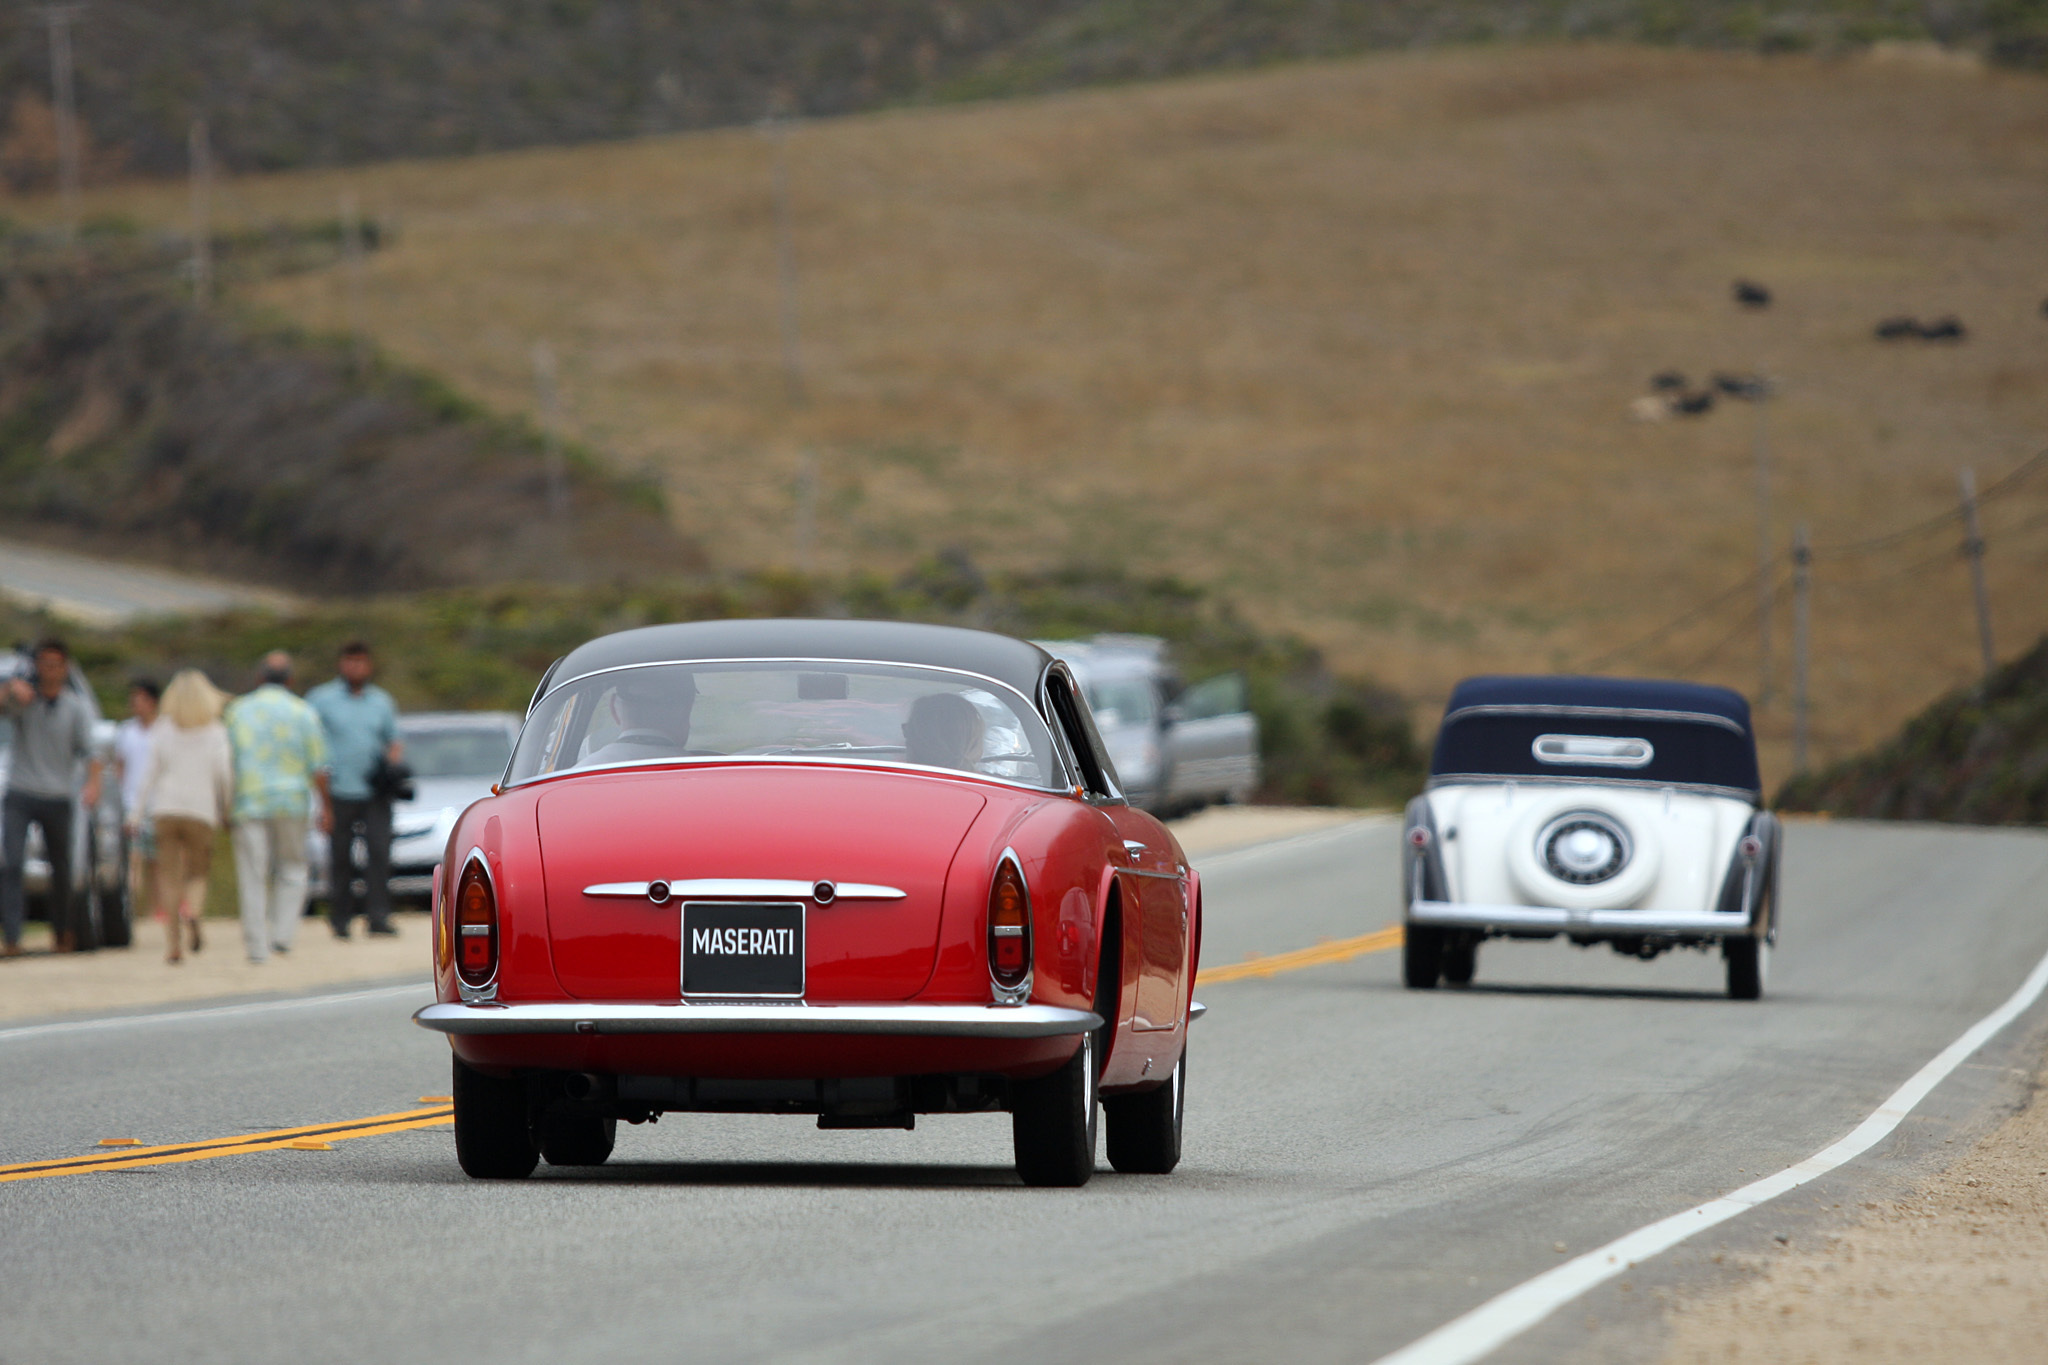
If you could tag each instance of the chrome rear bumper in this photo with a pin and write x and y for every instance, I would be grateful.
(913, 1021)
(1458, 915)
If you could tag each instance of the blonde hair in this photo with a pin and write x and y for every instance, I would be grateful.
(192, 701)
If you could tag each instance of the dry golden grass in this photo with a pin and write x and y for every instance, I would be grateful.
(1352, 342)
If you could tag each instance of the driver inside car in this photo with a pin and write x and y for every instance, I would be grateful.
(653, 715)
(943, 730)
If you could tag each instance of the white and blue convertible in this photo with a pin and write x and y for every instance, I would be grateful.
(1610, 810)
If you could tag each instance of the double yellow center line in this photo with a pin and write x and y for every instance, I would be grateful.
(319, 1135)
(1335, 950)
(312, 1136)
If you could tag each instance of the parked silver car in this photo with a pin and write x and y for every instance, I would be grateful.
(99, 846)
(455, 756)
(1176, 749)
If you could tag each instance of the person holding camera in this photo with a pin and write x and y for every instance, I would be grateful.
(364, 754)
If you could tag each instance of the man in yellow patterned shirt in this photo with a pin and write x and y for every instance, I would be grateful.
(280, 773)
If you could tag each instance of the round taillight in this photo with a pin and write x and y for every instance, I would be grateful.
(1009, 927)
(476, 926)
(1419, 836)
(1752, 847)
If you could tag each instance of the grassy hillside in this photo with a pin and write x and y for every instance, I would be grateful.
(1978, 756)
(134, 423)
(1327, 740)
(1352, 343)
(293, 84)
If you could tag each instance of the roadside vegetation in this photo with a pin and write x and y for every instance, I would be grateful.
(1328, 739)
(135, 423)
(1979, 756)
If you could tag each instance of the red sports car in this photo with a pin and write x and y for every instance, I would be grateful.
(854, 869)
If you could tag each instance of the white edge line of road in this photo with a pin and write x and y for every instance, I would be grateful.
(214, 1012)
(1505, 1316)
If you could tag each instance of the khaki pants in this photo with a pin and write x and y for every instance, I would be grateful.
(270, 870)
(184, 855)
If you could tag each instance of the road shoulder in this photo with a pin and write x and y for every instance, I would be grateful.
(1955, 1270)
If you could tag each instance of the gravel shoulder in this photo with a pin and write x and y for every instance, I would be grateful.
(1956, 1270)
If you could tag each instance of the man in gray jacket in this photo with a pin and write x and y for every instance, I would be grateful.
(52, 735)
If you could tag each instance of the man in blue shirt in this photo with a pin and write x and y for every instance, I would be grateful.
(362, 728)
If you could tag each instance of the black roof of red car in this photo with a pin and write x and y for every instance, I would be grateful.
(1007, 660)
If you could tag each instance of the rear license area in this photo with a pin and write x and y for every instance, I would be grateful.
(743, 949)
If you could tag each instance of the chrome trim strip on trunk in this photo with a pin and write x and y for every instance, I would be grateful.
(747, 888)
(913, 1021)
(1458, 915)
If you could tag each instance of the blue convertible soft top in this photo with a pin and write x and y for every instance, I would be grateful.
(1657, 732)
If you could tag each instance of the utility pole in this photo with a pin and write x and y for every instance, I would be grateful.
(1802, 641)
(777, 127)
(549, 394)
(202, 214)
(1761, 397)
(1973, 546)
(785, 264)
(59, 18)
(352, 268)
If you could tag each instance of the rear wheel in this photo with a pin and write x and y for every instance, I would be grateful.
(573, 1137)
(1749, 966)
(1460, 960)
(1422, 957)
(1144, 1130)
(1053, 1122)
(493, 1135)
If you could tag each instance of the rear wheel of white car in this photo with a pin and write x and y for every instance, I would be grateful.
(571, 1137)
(1461, 960)
(1422, 957)
(1053, 1122)
(1749, 967)
(493, 1135)
(1144, 1130)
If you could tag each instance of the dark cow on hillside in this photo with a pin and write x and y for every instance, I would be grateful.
(1667, 381)
(1750, 294)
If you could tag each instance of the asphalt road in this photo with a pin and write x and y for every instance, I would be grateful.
(1362, 1163)
(106, 591)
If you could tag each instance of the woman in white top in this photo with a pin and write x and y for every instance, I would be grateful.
(188, 790)
(131, 765)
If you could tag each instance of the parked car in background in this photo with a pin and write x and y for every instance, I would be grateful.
(860, 870)
(99, 841)
(454, 756)
(1610, 810)
(1176, 749)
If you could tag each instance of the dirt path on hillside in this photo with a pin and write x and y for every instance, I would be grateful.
(1956, 1272)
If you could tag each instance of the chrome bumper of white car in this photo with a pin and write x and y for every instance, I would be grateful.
(1458, 915)
(913, 1021)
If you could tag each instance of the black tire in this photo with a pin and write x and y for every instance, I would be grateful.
(574, 1137)
(1460, 961)
(1749, 967)
(1144, 1130)
(493, 1133)
(1053, 1122)
(1422, 957)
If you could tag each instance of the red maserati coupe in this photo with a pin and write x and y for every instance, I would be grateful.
(854, 869)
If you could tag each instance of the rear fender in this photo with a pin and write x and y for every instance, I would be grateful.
(1749, 886)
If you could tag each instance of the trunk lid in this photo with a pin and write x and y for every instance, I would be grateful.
(742, 823)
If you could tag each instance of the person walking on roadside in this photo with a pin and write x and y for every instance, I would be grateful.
(280, 783)
(362, 734)
(52, 737)
(188, 788)
(131, 757)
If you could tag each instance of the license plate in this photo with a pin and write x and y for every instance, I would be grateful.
(743, 948)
